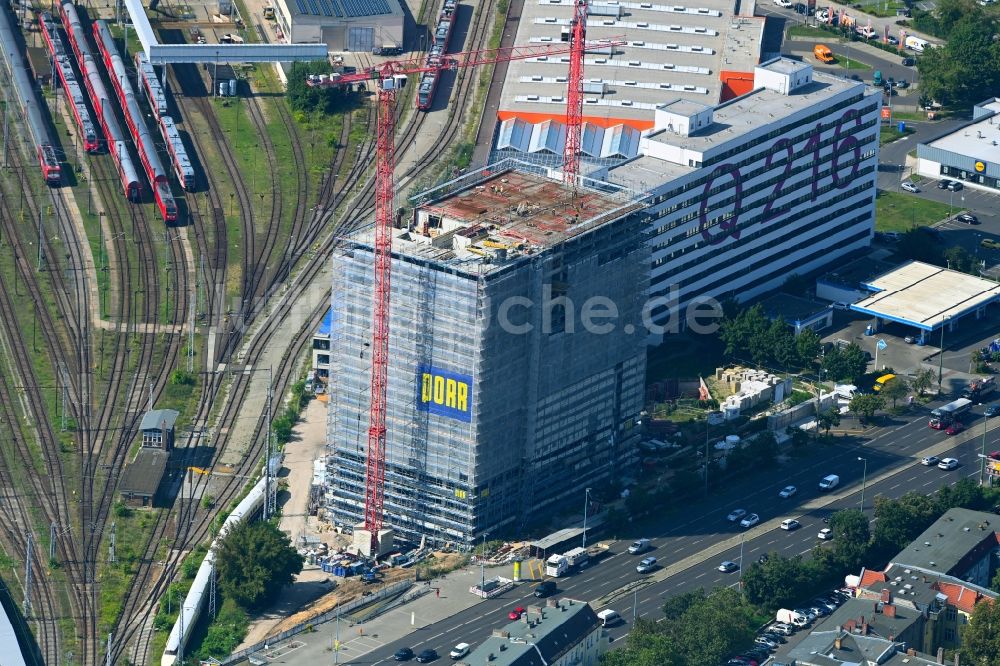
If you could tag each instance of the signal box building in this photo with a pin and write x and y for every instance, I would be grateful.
(157, 428)
(343, 25)
(505, 396)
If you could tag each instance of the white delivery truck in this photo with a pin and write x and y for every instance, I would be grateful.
(791, 617)
(829, 482)
(638, 546)
(556, 566)
(914, 43)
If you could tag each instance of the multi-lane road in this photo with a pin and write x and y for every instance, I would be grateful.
(691, 543)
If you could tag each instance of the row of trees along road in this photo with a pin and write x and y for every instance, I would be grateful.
(704, 629)
(967, 69)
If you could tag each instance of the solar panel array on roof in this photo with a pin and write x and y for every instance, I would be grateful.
(343, 8)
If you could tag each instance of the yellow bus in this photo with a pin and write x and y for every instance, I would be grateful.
(882, 381)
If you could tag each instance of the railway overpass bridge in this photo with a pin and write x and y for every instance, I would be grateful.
(164, 54)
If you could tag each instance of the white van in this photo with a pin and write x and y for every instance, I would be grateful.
(829, 482)
(608, 617)
(459, 651)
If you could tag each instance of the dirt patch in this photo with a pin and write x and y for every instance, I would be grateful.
(348, 590)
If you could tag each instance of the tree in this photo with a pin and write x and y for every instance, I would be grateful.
(746, 334)
(851, 538)
(675, 606)
(254, 561)
(845, 363)
(967, 69)
(807, 347)
(866, 404)
(781, 345)
(981, 637)
(827, 420)
(959, 259)
(895, 389)
(776, 582)
(648, 644)
(923, 380)
(711, 630)
(900, 521)
(304, 99)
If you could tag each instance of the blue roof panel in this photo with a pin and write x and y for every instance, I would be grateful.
(327, 323)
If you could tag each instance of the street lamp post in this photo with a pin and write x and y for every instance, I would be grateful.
(864, 481)
(586, 503)
(482, 565)
(941, 355)
(982, 456)
(742, 540)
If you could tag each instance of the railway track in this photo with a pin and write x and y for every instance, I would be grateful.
(193, 521)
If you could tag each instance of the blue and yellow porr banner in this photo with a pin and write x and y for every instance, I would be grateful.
(444, 393)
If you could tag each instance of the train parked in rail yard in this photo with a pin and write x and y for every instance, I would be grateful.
(28, 100)
(442, 35)
(128, 176)
(157, 98)
(64, 70)
(141, 135)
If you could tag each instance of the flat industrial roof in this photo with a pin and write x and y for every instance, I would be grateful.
(979, 140)
(730, 121)
(346, 8)
(671, 51)
(923, 296)
(793, 308)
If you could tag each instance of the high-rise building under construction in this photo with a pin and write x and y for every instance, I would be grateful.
(517, 356)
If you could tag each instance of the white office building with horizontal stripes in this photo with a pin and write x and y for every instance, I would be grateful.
(742, 195)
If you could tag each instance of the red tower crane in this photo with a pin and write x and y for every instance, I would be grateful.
(574, 94)
(389, 78)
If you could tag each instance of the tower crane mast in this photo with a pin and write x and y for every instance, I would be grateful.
(574, 94)
(389, 78)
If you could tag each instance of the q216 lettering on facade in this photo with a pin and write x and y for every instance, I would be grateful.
(444, 393)
(728, 226)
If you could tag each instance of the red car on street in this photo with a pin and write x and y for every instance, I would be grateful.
(516, 613)
(955, 428)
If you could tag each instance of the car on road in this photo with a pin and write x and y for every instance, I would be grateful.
(943, 183)
(909, 339)
(736, 514)
(750, 520)
(937, 424)
(948, 463)
(545, 588)
(992, 410)
(729, 567)
(892, 40)
(403, 654)
(909, 61)
(910, 187)
(647, 565)
(800, 8)
(516, 613)
(902, 83)
(459, 651)
(772, 636)
(930, 461)
(808, 612)
(790, 524)
(825, 534)
(955, 186)
(427, 656)
(787, 492)
(955, 428)
(782, 628)
(783, 3)
(967, 218)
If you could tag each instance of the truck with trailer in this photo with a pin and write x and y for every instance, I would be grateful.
(946, 414)
(979, 388)
(556, 566)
